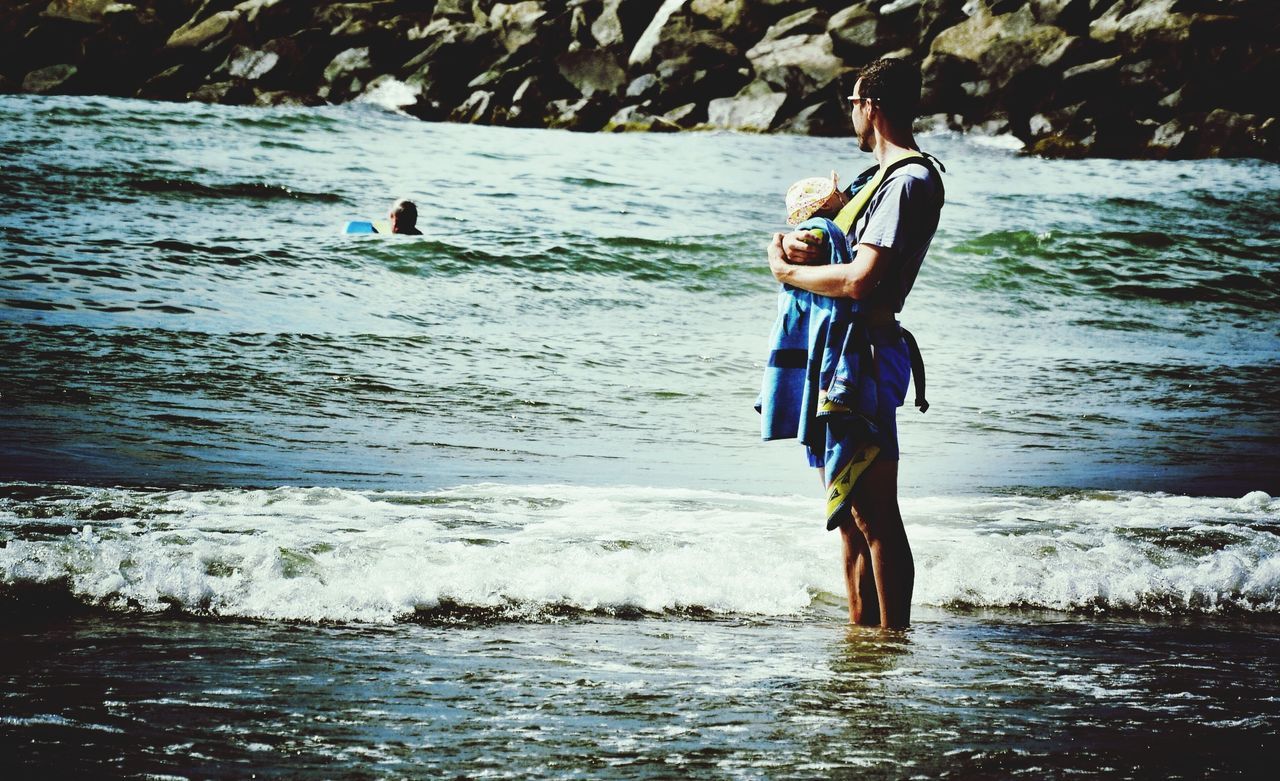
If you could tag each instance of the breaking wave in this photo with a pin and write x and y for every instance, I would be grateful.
(535, 553)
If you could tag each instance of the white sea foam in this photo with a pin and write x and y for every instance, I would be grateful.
(1006, 141)
(323, 554)
(1145, 552)
(389, 93)
(54, 720)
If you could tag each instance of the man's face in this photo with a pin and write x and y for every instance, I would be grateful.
(860, 111)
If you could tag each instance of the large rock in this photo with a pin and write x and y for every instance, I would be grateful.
(284, 97)
(346, 74)
(1143, 83)
(811, 21)
(686, 116)
(667, 26)
(621, 22)
(639, 118)
(527, 106)
(1268, 134)
(208, 33)
(1226, 133)
(89, 11)
(643, 87)
(853, 33)
(477, 109)
(275, 63)
(1134, 22)
(453, 55)
(801, 64)
(825, 118)
(358, 23)
(228, 93)
(468, 47)
(1017, 62)
(690, 63)
(173, 83)
(1004, 45)
(933, 17)
(1086, 79)
(592, 72)
(504, 76)
(517, 24)
(251, 64)
(392, 37)
(1064, 121)
(1183, 42)
(756, 109)
(1174, 139)
(743, 21)
(583, 114)
(607, 27)
(902, 24)
(728, 16)
(1071, 15)
(129, 18)
(466, 11)
(685, 79)
(943, 79)
(51, 79)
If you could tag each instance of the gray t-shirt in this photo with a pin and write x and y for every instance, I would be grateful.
(902, 217)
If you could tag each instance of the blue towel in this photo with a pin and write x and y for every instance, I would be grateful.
(818, 385)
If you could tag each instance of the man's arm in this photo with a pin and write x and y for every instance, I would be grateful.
(847, 280)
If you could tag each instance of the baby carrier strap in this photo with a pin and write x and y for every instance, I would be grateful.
(870, 180)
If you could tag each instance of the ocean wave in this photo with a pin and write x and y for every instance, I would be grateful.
(252, 190)
(698, 264)
(1106, 552)
(1108, 268)
(486, 553)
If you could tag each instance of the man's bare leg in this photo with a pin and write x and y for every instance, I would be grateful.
(859, 577)
(876, 515)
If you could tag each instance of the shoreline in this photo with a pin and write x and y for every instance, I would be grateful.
(34, 607)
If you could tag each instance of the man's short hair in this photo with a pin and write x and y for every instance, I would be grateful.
(895, 84)
(405, 212)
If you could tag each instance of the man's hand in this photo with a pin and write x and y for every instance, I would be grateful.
(777, 258)
(802, 248)
(788, 250)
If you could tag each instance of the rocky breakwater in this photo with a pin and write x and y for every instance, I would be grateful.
(1160, 78)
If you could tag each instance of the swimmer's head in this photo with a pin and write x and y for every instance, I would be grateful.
(814, 197)
(404, 216)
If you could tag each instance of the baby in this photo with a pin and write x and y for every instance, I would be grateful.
(815, 197)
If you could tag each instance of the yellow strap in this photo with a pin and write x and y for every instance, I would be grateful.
(858, 203)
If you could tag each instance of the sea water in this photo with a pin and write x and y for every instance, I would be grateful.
(492, 501)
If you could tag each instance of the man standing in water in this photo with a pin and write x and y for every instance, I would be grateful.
(404, 218)
(889, 240)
